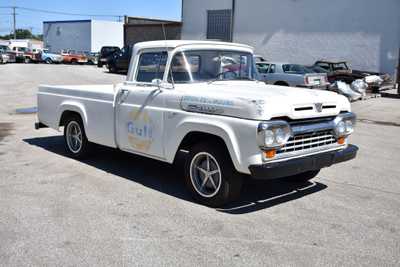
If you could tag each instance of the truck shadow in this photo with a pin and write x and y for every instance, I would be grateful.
(166, 179)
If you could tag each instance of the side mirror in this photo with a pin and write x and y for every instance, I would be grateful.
(157, 82)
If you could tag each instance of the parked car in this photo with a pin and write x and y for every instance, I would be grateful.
(73, 57)
(105, 53)
(26, 55)
(287, 74)
(119, 62)
(51, 58)
(92, 57)
(179, 98)
(19, 53)
(7, 56)
(4, 58)
(340, 71)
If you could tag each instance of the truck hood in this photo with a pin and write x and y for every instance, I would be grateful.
(259, 101)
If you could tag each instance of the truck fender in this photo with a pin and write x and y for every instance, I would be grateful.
(77, 107)
(217, 128)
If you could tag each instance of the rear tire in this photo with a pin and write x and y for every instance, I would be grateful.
(303, 177)
(281, 84)
(76, 143)
(112, 68)
(210, 175)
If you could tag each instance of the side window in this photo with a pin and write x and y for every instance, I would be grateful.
(286, 68)
(151, 66)
(272, 69)
(262, 68)
(324, 65)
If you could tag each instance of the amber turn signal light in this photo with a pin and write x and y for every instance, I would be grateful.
(341, 140)
(270, 153)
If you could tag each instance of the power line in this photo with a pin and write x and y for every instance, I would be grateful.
(14, 14)
(61, 12)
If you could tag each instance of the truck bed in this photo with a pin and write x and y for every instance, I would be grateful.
(95, 104)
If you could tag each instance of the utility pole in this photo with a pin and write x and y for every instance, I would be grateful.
(15, 22)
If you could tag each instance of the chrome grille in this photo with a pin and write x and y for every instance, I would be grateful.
(308, 141)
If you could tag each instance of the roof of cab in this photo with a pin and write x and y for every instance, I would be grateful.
(178, 43)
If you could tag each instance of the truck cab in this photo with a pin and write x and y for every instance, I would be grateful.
(202, 98)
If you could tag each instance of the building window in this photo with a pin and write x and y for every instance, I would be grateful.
(219, 24)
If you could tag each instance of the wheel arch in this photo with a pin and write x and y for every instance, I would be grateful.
(282, 83)
(67, 108)
(205, 131)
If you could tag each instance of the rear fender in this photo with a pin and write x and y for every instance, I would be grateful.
(74, 106)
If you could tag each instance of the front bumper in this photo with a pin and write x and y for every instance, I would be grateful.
(299, 165)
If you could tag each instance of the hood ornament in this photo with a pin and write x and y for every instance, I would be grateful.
(318, 107)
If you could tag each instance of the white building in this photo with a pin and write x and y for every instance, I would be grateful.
(82, 35)
(28, 43)
(366, 33)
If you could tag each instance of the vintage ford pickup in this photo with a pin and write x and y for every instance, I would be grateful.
(203, 98)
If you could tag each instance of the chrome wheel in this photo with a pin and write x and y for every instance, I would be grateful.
(205, 174)
(74, 136)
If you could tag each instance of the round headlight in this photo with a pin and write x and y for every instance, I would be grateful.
(341, 128)
(349, 126)
(269, 137)
(280, 136)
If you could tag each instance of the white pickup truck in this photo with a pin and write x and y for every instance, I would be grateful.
(203, 98)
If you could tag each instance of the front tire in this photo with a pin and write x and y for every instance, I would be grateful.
(76, 143)
(210, 175)
(49, 61)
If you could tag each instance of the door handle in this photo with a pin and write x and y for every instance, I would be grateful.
(123, 95)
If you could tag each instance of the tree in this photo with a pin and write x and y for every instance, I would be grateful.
(23, 34)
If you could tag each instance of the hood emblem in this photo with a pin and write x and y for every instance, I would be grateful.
(318, 107)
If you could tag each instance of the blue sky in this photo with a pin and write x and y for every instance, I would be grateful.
(164, 9)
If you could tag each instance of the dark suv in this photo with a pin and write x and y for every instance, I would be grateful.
(105, 53)
(119, 62)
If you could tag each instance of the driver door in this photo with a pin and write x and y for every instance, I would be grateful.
(140, 108)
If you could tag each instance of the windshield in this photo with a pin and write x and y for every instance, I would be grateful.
(318, 69)
(211, 65)
(296, 69)
(340, 66)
